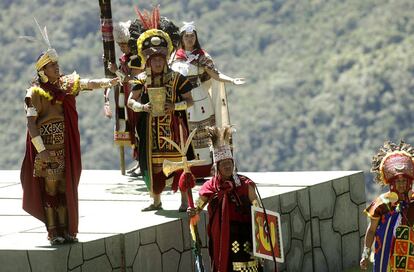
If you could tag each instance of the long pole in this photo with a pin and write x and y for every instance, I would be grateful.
(109, 56)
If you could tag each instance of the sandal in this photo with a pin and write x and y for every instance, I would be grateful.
(152, 207)
(57, 240)
(70, 239)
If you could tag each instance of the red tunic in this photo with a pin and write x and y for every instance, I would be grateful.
(227, 204)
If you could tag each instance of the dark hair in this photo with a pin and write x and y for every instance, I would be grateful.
(196, 45)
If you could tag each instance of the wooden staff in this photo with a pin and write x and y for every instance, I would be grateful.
(109, 57)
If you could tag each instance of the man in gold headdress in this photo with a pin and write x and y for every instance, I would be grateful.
(161, 96)
(52, 164)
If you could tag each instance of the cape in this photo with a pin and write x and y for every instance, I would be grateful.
(33, 187)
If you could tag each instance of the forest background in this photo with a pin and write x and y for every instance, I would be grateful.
(328, 81)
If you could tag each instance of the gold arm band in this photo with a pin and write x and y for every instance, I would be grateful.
(200, 204)
(180, 106)
(38, 143)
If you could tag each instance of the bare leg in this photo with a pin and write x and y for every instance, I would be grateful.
(184, 202)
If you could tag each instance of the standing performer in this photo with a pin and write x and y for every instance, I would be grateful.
(125, 118)
(229, 197)
(108, 58)
(162, 97)
(52, 164)
(209, 94)
(392, 213)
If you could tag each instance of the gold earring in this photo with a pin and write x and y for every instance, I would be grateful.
(43, 77)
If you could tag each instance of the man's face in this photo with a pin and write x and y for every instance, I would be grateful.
(225, 168)
(400, 184)
(124, 48)
(157, 64)
(52, 71)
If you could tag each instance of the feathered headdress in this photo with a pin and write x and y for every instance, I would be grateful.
(50, 55)
(393, 160)
(220, 139)
(153, 41)
(220, 142)
(121, 31)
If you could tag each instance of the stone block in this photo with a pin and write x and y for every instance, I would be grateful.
(320, 263)
(75, 256)
(148, 236)
(346, 215)
(148, 259)
(307, 239)
(316, 238)
(294, 258)
(357, 188)
(363, 220)
(132, 242)
(100, 264)
(307, 262)
(331, 246)
(288, 202)
(170, 236)
(13, 260)
(52, 260)
(114, 247)
(350, 250)
(303, 203)
(297, 224)
(170, 260)
(93, 249)
(286, 231)
(322, 199)
(341, 185)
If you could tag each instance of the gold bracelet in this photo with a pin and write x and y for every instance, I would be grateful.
(38, 144)
(200, 204)
(180, 106)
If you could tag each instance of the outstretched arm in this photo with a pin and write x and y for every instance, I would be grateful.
(224, 78)
(101, 83)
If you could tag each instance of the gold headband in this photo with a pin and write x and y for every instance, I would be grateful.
(49, 56)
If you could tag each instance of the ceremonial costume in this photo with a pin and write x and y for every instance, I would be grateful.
(155, 91)
(51, 167)
(229, 212)
(125, 118)
(392, 213)
(209, 94)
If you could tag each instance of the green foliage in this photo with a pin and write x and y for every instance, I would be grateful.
(328, 81)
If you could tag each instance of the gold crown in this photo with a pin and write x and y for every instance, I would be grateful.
(154, 41)
(49, 56)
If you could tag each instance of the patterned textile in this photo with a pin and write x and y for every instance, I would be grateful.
(403, 257)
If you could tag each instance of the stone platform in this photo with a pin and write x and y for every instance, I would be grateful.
(321, 213)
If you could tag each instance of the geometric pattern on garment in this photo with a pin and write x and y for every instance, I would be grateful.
(53, 133)
(235, 246)
(403, 255)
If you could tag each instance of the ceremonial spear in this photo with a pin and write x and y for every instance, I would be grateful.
(186, 183)
(109, 56)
